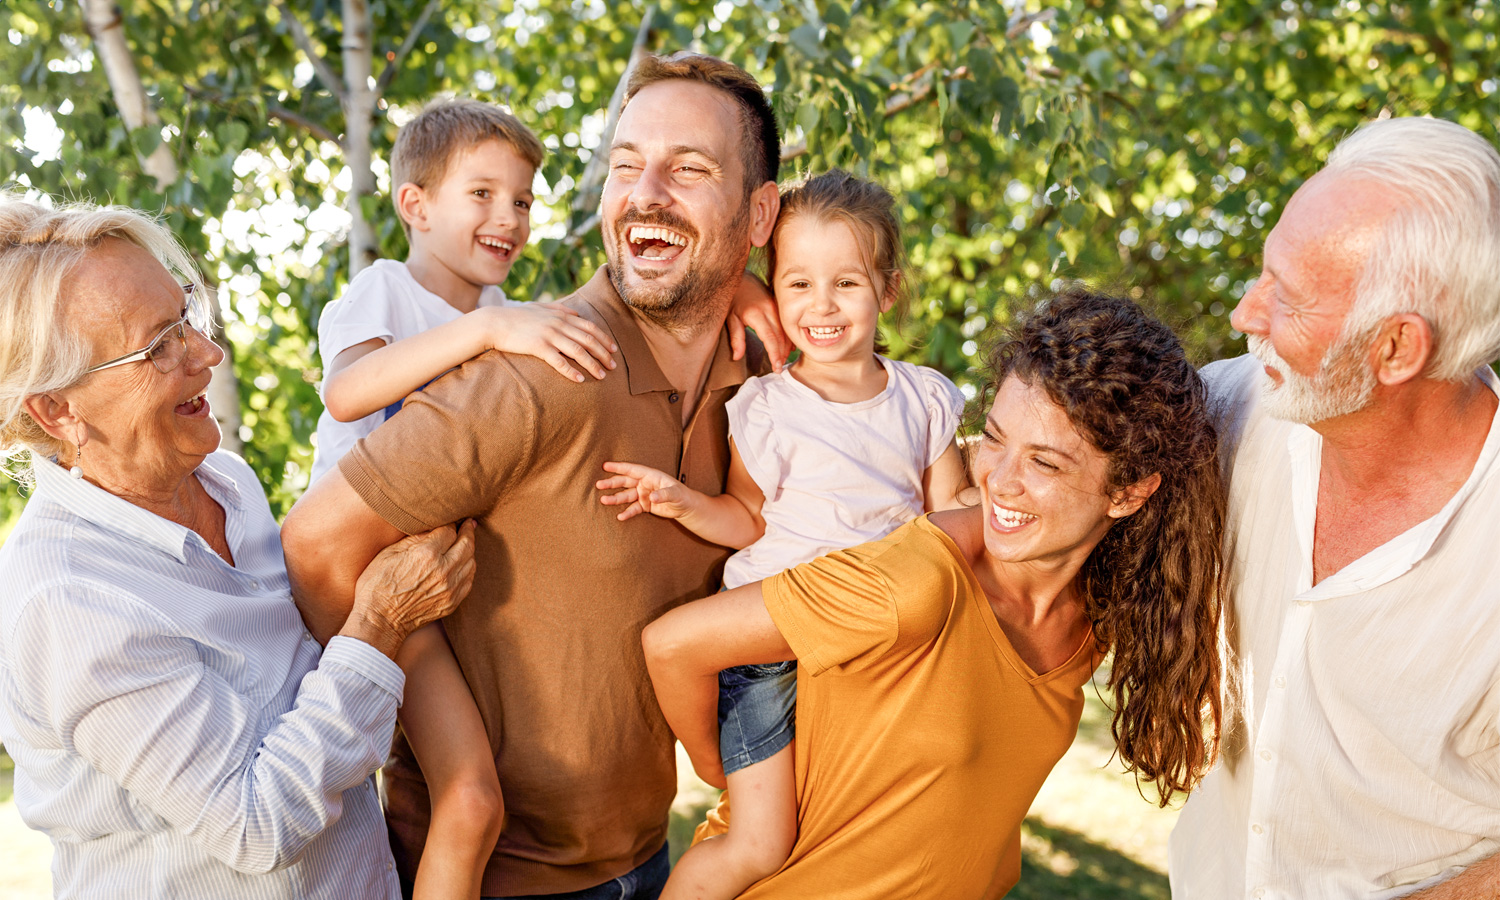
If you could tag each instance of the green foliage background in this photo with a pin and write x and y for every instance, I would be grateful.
(1148, 145)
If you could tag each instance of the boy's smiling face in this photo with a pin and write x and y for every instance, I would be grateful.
(470, 227)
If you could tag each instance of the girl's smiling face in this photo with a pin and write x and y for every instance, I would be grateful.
(1044, 485)
(829, 299)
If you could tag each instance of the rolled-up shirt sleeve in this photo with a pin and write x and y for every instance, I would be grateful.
(121, 687)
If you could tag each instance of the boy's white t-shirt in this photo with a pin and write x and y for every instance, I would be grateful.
(835, 475)
(383, 301)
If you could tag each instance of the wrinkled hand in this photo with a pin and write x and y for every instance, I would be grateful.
(418, 579)
(755, 307)
(647, 490)
(554, 334)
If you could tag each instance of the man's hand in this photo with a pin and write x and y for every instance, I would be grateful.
(552, 333)
(647, 490)
(418, 579)
(755, 307)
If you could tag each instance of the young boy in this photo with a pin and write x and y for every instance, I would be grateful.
(463, 172)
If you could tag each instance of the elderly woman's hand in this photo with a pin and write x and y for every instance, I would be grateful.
(416, 580)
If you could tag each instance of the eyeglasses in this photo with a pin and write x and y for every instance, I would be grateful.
(169, 348)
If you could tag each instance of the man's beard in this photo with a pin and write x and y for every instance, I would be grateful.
(1342, 385)
(693, 304)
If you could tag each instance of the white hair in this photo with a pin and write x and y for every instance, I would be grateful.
(39, 349)
(1439, 256)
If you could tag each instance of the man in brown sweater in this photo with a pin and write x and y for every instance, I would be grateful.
(549, 639)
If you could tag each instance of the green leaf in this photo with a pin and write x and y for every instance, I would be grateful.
(808, 39)
(146, 140)
(807, 117)
(959, 33)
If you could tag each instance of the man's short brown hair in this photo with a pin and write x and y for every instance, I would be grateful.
(445, 128)
(760, 139)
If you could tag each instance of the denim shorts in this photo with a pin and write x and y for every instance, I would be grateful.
(757, 711)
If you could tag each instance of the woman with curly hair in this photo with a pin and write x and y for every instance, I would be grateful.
(941, 670)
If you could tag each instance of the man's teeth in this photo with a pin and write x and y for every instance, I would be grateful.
(1009, 518)
(639, 233)
(500, 244)
(826, 332)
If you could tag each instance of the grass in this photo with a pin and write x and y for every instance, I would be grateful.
(7, 775)
(1089, 834)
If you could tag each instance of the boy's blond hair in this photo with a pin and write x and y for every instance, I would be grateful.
(443, 129)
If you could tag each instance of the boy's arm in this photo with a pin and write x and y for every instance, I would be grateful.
(944, 480)
(686, 648)
(372, 375)
(731, 519)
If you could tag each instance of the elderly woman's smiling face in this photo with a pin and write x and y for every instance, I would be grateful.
(142, 428)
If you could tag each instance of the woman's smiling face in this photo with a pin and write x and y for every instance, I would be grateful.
(1044, 485)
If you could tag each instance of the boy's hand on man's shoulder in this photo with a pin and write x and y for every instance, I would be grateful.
(552, 333)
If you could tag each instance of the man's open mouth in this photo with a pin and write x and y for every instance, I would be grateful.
(654, 242)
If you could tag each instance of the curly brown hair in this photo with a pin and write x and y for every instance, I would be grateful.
(1153, 586)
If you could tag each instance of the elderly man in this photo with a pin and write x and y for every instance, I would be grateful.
(551, 640)
(1364, 539)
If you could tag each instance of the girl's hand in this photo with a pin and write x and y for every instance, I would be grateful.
(755, 307)
(552, 333)
(647, 490)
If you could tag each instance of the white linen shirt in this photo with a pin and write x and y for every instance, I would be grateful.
(174, 729)
(1366, 763)
(383, 301)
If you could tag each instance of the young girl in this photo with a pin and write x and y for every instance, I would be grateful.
(839, 449)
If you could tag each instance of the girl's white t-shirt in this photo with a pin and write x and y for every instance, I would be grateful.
(836, 474)
(383, 301)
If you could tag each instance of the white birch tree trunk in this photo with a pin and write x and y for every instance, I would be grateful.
(105, 26)
(359, 116)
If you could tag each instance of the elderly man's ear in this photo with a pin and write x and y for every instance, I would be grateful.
(1402, 349)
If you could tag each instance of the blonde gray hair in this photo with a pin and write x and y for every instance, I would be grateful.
(39, 351)
(1439, 256)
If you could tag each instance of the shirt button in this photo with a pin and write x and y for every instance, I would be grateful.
(1258, 893)
(1304, 603)
(673, 397)
(255, 584)
(1281, 681)
(307, 635)
(1257, 829)
(1265, 755)
(389, 865)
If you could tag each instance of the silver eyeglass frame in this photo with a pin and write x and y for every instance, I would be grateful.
(144, 352)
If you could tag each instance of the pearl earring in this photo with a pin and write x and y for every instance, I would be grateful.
(77, 470)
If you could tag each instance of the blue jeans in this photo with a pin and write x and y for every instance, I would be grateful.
(644, 882)
(757, 712)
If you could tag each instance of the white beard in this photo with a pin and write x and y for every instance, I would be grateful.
(1342, 385)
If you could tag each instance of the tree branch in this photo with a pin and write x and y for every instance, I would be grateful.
(101, 19)
(393, 64)
(1016, 26)
(277, 111)
(304, 43)
(898, 103)
(592, 178)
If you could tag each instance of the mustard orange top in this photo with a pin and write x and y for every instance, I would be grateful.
(922, 737)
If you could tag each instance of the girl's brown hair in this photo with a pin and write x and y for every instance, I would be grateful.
(1153, 585)
(870, 212)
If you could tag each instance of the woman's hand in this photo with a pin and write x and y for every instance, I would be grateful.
(418, 579)
(647, 490)
(552, 333)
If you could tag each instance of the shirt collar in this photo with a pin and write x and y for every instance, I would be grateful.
(95, 505)
(1397, 556)
(642, 372)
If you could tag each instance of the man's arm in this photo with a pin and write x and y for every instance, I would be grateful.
(329, 537)
(1480, 881)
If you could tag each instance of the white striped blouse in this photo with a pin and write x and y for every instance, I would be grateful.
(176, 731)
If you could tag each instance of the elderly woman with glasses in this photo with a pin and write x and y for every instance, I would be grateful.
(176, 731)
